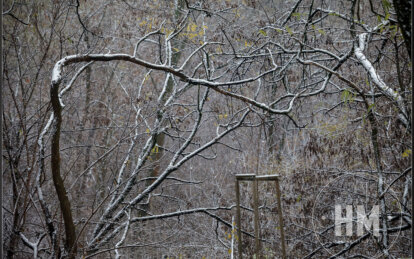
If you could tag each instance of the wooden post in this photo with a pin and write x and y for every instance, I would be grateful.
(256, 217)
(238, 219)
(280, 214)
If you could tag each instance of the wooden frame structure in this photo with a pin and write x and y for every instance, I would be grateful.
(255, 179)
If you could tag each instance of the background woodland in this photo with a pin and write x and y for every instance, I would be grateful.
(124, 123)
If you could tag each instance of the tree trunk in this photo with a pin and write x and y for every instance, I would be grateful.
(64, 203)
(403, 10)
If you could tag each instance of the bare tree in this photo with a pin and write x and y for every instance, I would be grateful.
(146, 110)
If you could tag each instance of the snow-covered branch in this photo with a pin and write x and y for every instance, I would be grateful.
(388, 91)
